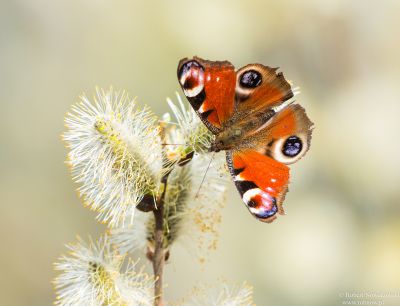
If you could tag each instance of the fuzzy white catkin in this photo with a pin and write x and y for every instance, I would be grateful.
(205, 198)
(91, 274)
(115, 154)
(195, 134)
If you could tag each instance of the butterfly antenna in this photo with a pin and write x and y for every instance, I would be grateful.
(172, 144)
(204, 177)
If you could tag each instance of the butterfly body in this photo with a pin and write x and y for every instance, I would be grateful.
(237, 134)
(254, 119)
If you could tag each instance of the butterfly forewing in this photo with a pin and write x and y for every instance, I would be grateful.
(210, 89)
(259, 87)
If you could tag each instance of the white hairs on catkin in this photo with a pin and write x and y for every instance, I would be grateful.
(115, 153)
(131, 237)
(91, 274)
(195, 134)
(191, 218)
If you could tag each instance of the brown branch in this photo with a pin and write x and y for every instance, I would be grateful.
(158, 258)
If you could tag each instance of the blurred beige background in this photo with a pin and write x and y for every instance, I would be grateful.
(342, 229)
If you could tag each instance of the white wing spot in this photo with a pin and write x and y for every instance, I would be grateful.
(249, 194)
(239, 178)
(193, 73)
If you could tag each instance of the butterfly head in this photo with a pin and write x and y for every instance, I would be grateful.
(217, 146)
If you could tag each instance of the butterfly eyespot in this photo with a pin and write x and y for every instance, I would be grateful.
(289, 149)
(191, 78)
(292, 146)
(250, 79)
(267, 213)
(260, 203)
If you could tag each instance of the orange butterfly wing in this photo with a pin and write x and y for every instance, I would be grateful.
(210, 89)
(261, 182)
(260, 170)
(260, 87)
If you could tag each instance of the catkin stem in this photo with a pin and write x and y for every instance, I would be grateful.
(159, 254)
(158, 257)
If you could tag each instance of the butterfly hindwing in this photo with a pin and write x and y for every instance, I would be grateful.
(210, 89)
(260, 170)
(261, 181)
(286, 137)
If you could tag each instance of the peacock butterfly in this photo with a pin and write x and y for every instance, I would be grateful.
(252, 114)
